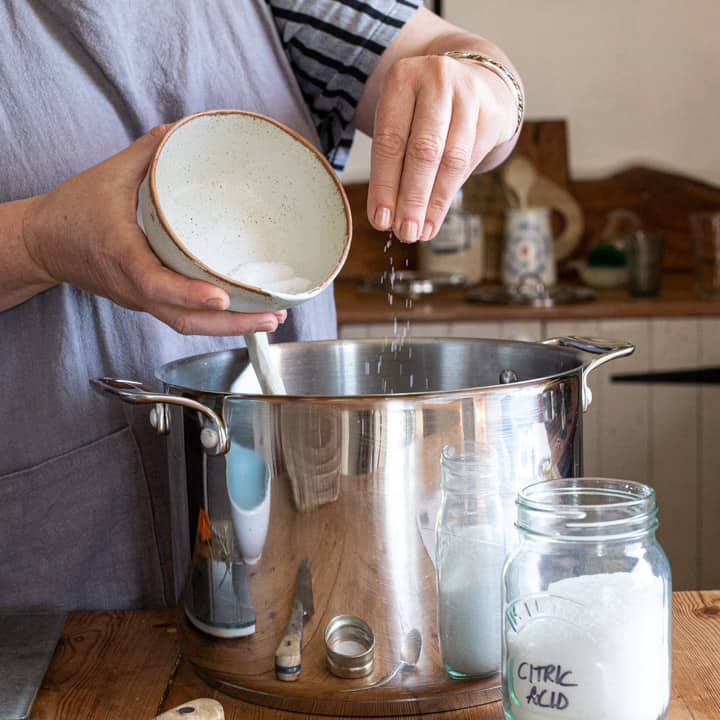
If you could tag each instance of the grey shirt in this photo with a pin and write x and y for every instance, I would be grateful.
(83, 480)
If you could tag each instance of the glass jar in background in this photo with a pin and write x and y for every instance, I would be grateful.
(470, 552)
(586, 604)
(645, 252)
(458, 246)
(705, 235)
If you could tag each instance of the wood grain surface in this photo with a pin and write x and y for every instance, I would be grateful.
(677, 299)
(127, 666)
(111, 665)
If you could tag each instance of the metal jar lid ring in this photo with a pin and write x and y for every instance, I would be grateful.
(349, 647)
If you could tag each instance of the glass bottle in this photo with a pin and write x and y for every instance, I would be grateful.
(470, 550)
(458, 246)
(586, 604)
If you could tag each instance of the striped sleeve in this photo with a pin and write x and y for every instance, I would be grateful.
(333, 47)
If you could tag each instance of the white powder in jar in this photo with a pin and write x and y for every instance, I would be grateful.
(470, 603)
(272, 276)
(594, 647)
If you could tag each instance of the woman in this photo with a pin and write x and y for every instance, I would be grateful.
(83, 481)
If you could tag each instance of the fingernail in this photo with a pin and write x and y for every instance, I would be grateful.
(427, 231)
(409, 231)
(383, 218)
(159, 130)
(281, 315)
(216, 303)
(267, 326)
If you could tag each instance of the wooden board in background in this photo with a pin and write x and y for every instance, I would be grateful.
(662, 200)
(545, 144)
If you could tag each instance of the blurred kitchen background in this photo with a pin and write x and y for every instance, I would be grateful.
(636, 81)
(620, 150)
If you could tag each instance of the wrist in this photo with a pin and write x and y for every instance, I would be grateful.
(21, 276)
(31, 241)
(504, 88)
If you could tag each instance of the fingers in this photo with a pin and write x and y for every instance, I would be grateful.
(412, 123)
(426, 144)
(146, 281)
(436, 120)
(393, 120)
(214, 322)
(189, 306)
(455, 166)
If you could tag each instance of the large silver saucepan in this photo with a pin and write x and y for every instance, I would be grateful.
(344, 472)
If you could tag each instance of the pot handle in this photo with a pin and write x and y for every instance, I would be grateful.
(214, 438)
(607, 350)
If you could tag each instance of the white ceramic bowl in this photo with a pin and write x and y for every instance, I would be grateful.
(226, 188)
(602, 278)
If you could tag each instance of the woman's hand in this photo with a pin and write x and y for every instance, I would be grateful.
(437, 119)
(84, 232)
(434, 120)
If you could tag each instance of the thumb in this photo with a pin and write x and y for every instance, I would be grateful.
(133, 161)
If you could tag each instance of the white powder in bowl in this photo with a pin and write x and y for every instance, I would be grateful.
(272, 276)
(594, 647)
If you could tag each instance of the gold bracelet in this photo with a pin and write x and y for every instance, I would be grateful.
(502, 72)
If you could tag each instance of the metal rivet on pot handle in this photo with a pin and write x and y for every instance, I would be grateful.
(132, 391)
(606, 350)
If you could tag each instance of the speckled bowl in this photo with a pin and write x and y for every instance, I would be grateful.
(228, 187)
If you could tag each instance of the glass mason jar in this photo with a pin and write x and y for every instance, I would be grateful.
(586, 604)
(470, 552)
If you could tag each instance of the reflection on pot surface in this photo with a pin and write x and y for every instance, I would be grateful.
(248, 489)
(353, 485)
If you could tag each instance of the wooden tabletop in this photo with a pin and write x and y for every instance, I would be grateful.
(128, 666)
(677, 299)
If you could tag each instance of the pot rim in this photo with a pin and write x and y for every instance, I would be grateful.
(435, 394)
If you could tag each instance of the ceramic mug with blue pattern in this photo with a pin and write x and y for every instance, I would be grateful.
(528, 250)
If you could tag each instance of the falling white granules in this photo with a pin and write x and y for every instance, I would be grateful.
(272, 276)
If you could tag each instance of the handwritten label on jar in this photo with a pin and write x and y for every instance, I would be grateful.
(547, 677)
(548, 684)
(594, 652)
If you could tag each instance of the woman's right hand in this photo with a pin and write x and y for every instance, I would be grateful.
(85, 233)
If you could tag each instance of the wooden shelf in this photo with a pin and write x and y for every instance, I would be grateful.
(677, 299)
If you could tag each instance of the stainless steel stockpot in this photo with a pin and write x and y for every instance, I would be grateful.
(345, 471)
